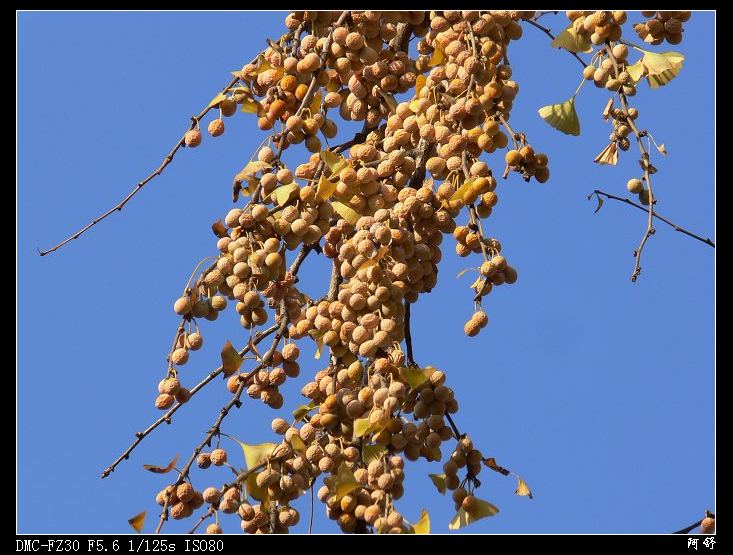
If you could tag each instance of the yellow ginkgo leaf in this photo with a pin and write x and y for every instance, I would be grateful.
(325, 188)
(522, 488)
(346, 212)
(413, 376)
(462, 192)
(343, 482)
(362, 426)
(439, 481)
(284, 193)
(318, 338)
(218, 98)
(480, 509)
(333, 161)
(422, 526)
(302, 410)
(231, 360)
(298, 444)
(420, 83)
(252, 107)
(562, 117)
(371, 453)
(315, 104)
(569, 39)
(635, 71)
(256, 454)
(138, 521)
(438, 56)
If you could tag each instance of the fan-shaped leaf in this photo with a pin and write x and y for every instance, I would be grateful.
(439, 481)
(346, 212)
(569, 39)
(562, 117)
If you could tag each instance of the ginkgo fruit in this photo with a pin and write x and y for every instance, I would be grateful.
(192, 138)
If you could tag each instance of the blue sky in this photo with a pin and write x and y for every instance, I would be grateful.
(597, 391)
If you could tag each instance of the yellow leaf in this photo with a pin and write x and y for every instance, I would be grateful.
(372, 453)
(383, 250)
(462, 191)
(413, 376)
(635, 70)
(422, 526)
(138, 521)
(333, 85)
(297, 443)
(481, 509)
(161, 469)
(253, 490)
(318, 338)
(562, 117)
(333, 161)
(218, 98)
(302, 410)
(284, 193)
(569, 39)
(608, 155)
(420, 83)
(362, 426)
(325, 188)
(219, 229)
(522, 488)
(439, 481)
(343, 482)
(315, 104)
(346, 212)
(414, 106)
(477, 283)
(438, 57)
(251, 169)
(231, 360)
(256, 454)
(252, 107)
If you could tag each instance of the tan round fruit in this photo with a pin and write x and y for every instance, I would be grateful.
(707, 526)
(164, 401)
(635, 186)
(192, 138)
(213, 529)
(194, 341)
(183, 306)
(212, 495)
(218, 457)
(216, 127)
(185, 492)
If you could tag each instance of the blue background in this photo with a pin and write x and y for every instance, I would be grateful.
(598, 391)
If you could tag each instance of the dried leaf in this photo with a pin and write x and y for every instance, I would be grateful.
(371, 453)
(522, 488)
(413, 376)
(161, 469)
(422, 526)
(562, 117)
(608, 155)
(325, 188)
(439, 481)
(662, 149)
(231, 360)
(383, 250)
(389, 100)
(569, 39)
(477, 283)
(138, 521)
(343, 482)
(607, 109)
(466, 270)
(217, 99)
(346, 212)
(600, 203)
(481, 509)
(298, 444)
(491, 463)
(219, 229)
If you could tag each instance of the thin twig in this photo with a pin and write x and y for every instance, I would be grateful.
(549, 34)
(691, 527)
(139, 436)
(167, 160)
(203, 517)
(676, 227)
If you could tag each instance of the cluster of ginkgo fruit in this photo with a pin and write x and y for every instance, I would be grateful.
(379, 207)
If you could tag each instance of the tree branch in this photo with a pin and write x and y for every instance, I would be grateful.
(676, 227)
(549, 34)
